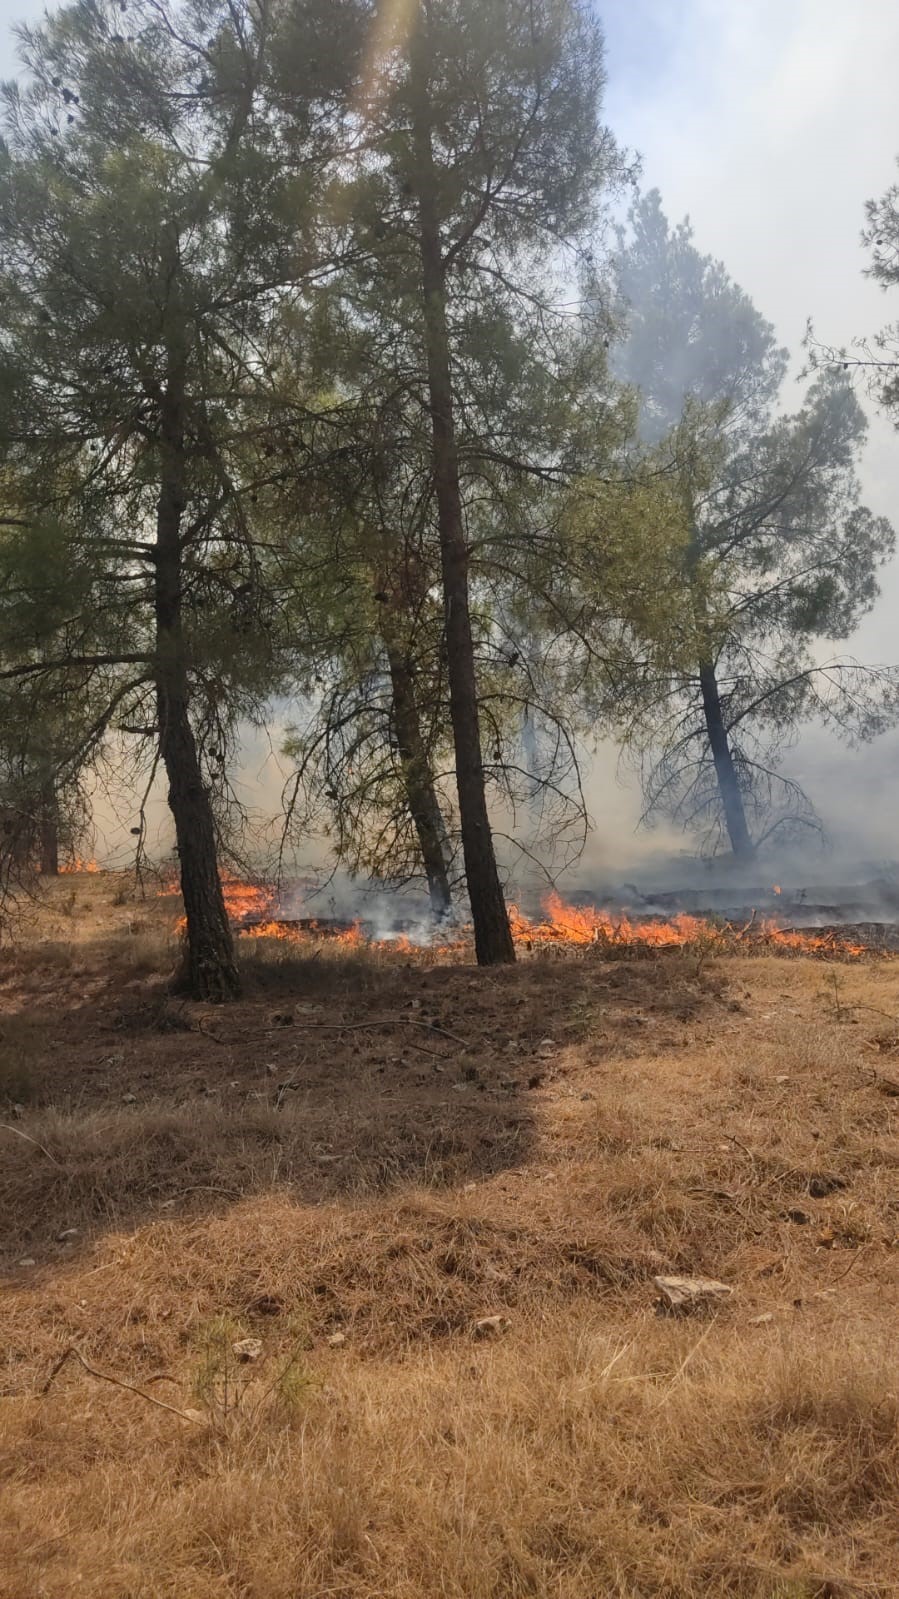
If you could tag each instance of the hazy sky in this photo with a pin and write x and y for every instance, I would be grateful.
(770, 122)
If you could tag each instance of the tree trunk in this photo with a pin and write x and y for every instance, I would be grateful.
(49, 832)
(492, 933)
(725, 770)
(209, 969)
(424, 806)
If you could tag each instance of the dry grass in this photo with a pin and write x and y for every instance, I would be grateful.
(362, 1205)
(569, 1459)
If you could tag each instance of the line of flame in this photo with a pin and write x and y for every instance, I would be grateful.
(561, 926)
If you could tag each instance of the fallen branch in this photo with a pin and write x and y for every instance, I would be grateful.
(117, 1382)
(213, 1039)
(740, 1145)
(379, 1021)
(29, 1140)
(842, 1274)
(432, 1027)
(435, 1054)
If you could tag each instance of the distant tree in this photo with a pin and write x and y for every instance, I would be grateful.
(43, 808)
(881, 235)
(779, 553)
(877, 358)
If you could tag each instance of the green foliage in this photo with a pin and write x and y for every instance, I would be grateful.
(227, 1386)
(141, 221)
(781, 557)
(233, 194)
(881, 235)
(533, 407)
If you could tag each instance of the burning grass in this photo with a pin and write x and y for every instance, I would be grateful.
(562, 928)
(364, 1160)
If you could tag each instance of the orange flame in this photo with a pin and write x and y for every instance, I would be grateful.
(349, 937)
(252, 910)
(76, 864)
(806, 943)
(246, 899)
(578, 925)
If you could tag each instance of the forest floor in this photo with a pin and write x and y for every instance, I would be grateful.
(427, 1204)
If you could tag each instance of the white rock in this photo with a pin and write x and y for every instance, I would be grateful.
(491, 1326)
(688, 1293)
(247, 1349)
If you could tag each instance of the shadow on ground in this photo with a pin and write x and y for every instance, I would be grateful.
(332, 1077)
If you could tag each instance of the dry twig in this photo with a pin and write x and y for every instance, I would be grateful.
(29, 1140)
(377, 1021)
(117, 1382)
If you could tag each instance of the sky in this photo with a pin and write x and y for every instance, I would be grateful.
(769, 122)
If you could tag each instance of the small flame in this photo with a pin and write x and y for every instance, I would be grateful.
(776, 888)
(350, 937)
(76, 864)
(243, 900)
(806, 943)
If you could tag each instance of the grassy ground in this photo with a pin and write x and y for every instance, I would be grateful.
(358, 1165)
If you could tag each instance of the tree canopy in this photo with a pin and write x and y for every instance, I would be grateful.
(780, 551)
(321, 390)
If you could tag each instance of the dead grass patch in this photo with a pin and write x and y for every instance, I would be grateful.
(275, 966)
(534, 1145)
(23, 1050)
(567, 1458)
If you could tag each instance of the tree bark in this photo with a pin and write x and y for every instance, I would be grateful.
(725, 770)
(209, 970)
(492, 933)
(421, 794)
(49, 832)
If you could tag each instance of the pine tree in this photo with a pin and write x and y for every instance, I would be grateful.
(150, 213)
(779, 552)
(486, 160)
